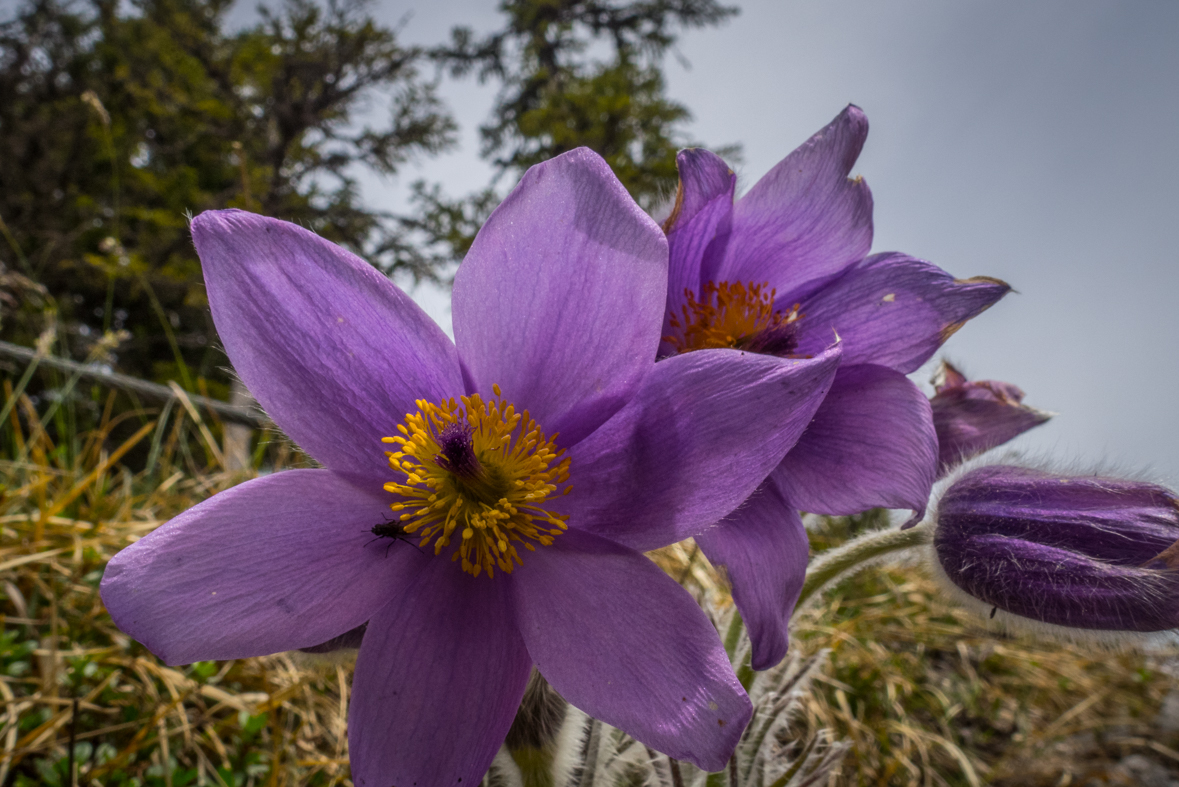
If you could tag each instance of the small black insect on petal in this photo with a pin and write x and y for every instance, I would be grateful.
(393, 531)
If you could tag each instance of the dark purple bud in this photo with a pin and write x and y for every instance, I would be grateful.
(972, 417)
(1085, 552)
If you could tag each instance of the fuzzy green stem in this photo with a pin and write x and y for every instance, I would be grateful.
(855, 553)
(733, 634)
(536, 766)
(745, 673)
(677, 778)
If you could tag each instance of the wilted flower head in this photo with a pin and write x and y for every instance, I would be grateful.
(528, 464)
(785, 271)
(975, 416)
(1081, 552)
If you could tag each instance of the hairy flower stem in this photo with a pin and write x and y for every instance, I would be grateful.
(677, 778)
(719, 779)
(732, 639)
(536, 766)
(532, 738)
(832, 566)
(855, 554)
(733, 634)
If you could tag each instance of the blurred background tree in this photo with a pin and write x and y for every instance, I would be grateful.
(572, 73)
(118, 121)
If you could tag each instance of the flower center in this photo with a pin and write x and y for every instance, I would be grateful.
(482, 469)
(734, 315)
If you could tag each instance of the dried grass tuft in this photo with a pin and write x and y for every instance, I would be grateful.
(928, 695)
(922, 691)
(64, 512)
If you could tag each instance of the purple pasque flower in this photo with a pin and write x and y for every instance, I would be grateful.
(1081, 552)
(532, 461)
(783, 271)
(971, 417)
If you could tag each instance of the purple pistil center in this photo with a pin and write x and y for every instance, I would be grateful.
(458, 452)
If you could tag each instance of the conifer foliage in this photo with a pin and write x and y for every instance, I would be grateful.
(118, 120)
(572, 73)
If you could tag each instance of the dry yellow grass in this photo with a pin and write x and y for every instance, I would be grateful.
(138, 721)
(929, 695)
(925, 694)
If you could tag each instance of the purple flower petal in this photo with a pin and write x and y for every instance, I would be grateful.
(278, 563)
(704, 176)
(704, 209)
(763, 549)
(870, 444)
(700, 435)
(333, 350)
(973, 417)
(892, 310)
(619, 639)
(560, 299)
(438, 681)
(805, 219)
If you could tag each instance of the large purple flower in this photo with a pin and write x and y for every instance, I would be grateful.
(530, 462)
(782, 272)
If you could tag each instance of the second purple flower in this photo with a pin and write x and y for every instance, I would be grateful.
(785, 272)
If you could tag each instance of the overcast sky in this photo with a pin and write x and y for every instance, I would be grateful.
(1031, 141)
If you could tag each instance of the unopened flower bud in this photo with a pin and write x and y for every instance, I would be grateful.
(972, 417)
(1082, 552)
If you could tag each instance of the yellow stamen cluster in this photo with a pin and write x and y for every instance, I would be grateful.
(727, 315)
(493, 507)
